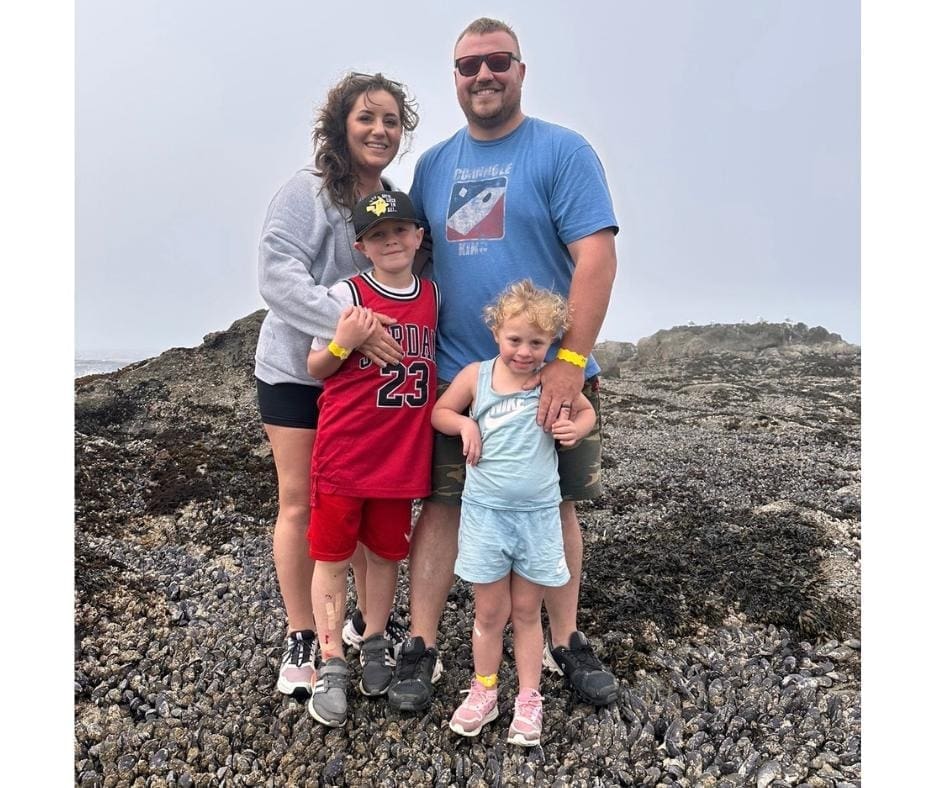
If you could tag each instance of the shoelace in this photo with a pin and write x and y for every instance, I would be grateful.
(584, 658)
(476, 697)
(529, 709)
(298, 651)
(366, 653)
(408, 662)
(330, 681)
(395, 631)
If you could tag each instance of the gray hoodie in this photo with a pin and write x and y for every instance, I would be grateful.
(306, 246)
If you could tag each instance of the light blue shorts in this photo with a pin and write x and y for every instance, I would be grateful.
(494, 542)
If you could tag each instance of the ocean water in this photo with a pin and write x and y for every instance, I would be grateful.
(95, 366)
(96, 362)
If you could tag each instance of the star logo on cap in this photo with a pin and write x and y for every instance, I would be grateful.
(378, 206)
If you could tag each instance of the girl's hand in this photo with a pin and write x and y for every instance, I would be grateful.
(563, 429)
(355, 324)
(472, 441)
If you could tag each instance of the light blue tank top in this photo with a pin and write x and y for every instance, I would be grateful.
(518, 468)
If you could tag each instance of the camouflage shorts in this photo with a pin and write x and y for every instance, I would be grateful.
(579, 467)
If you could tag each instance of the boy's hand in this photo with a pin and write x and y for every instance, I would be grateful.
(355, 324)
(380, 347)
(563, 429)
(472, 441)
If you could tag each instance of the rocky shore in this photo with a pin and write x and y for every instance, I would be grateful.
(721, 584)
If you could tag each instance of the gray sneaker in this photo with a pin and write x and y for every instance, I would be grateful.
(377, 662)
(327, 704)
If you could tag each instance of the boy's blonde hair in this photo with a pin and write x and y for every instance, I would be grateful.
(543, 308)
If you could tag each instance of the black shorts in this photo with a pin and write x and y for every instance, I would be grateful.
(289, 404)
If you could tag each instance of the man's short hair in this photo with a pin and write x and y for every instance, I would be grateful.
(484, 25)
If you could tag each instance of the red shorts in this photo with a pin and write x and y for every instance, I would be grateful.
(337, 522)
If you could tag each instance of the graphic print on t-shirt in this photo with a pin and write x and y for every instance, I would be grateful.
(503, 411)
(477, 210)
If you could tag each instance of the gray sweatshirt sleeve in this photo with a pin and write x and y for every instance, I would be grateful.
(297, 258)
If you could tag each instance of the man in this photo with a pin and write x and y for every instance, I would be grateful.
(509, 197)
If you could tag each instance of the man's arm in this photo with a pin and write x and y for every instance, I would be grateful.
(595, 266)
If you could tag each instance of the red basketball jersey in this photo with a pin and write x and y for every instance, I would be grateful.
(374, 434)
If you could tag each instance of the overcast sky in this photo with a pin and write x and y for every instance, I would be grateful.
(729, 131)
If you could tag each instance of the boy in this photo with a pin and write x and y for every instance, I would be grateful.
(373, 449)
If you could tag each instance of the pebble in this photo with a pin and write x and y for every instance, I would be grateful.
(738, 663)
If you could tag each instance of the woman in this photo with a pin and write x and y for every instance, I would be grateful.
(307, 246)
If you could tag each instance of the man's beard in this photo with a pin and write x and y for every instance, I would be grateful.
(495, 119)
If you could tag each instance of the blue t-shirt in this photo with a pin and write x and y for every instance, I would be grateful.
(503, 210)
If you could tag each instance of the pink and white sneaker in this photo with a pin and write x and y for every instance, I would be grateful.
(478, 708)
(296, 675)
(526, 727)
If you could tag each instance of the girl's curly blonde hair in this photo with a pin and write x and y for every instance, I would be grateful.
(543, 308)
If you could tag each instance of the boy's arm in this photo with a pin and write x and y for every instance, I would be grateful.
(355, 324)
(574, 422)
(322, 363)
(448, 414)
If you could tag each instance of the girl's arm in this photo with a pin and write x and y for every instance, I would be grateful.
(574, 422)
(448, 414)
(355, 324)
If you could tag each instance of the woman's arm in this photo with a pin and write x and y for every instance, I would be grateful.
(448, 414)
(296, 261)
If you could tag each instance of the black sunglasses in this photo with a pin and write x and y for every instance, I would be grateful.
(360, 75)
(497, 62)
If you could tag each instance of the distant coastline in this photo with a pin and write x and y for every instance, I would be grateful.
(99, 361)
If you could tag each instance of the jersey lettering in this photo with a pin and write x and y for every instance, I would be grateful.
(404, 386)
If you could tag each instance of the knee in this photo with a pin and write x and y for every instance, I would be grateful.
(295, 513)
(526, 614)
(491, 617)
(330, 569)
(376, 560)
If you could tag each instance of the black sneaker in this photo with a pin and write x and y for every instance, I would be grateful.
(378, 665)
(590, 680)
(417, 670)
(355, 627)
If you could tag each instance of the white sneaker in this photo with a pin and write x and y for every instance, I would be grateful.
(296, 674)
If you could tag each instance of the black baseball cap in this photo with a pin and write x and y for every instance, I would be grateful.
(378, 207)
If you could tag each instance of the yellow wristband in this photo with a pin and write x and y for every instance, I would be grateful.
(487, 681)
(572, 358)
(338, 351)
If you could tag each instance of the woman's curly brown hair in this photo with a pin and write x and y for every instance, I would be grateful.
(329, 131)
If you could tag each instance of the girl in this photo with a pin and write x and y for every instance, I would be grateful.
(510, 542)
